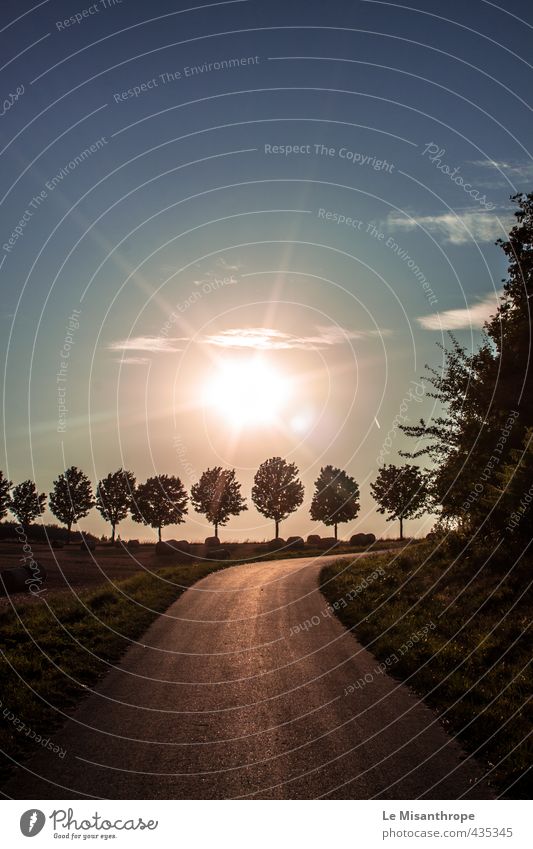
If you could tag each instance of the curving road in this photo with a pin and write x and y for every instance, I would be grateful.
(224, 700)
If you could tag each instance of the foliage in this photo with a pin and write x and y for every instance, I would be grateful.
(160, 501)
(485, 402)
(336, 498)
(218, 496)
(26, 503)
(277, 491)
(114, 497)
(72, 497)
(5, 487)
(401, 491)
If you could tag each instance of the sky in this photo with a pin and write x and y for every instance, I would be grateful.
(238, 230)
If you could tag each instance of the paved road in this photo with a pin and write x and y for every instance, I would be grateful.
(222, 701)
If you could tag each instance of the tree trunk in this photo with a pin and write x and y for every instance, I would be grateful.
(277, 528)
(216, 529)
(335, 530)
(159, 532)
(401, 527)
(112, 533)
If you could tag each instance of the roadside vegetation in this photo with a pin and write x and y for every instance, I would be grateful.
(474, 666)
(55, 650)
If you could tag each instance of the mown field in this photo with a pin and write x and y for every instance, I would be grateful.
(474, 665)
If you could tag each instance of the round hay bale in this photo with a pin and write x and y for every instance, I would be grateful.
(295, 542)
(133, 543)
(87, 544)
(358, 539)
(212, 541)
(276, 544)
(328, 543)
(369, 539)
(313, 539)
(219, 554)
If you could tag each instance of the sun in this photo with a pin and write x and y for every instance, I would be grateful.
(247, 393)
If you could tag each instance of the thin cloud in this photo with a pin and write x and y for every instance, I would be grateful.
(133, 361)
(266, 338)
(152, 344)
(514, 170)
(457, 229)
(473, 316)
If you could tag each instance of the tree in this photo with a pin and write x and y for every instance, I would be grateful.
(336, 499)
(114, 497)
(72, 497)
(5, 500)
(26, 503)
(277, 490)
(160, 501)
(485, 399)
(218, 496)
(401, 491)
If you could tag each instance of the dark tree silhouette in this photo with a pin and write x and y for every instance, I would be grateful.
(114, 497)
(160, 501)
(72, 497)
(26, 503)
(218, 496)
(401, 491)
(485, 398)
(5, 499)
(277, 490)
(336, 498)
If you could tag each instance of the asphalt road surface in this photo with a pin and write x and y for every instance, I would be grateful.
(221, 699)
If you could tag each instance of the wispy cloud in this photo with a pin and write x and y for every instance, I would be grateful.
(458, 229)
(473, 316)
(133, 361)
(514, 170)
(266, 338)
(152, 344)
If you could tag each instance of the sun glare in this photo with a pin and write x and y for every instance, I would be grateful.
(249, 393)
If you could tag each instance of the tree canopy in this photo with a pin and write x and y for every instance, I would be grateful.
(114, 497)
(401, 491)
(336, 498)
(26, 503)
(72, 497)
(479, 437)
(277, 491)
(218, 496)
(160, 501)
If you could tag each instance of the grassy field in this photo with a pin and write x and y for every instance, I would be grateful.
(456, 629)
(56, 648)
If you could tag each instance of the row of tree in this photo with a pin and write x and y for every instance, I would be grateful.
(162, 500)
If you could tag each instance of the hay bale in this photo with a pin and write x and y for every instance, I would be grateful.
(219, 554)
(172, 548)
(133, 543)
(87, 544)
(276, 544)
(369, 539)
(358, 539)
(57, 543)
(329, 543)
(212, 541)
(313, 539)
(295, 542)
(21, 579)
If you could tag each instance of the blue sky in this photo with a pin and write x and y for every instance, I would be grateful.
(185, 186)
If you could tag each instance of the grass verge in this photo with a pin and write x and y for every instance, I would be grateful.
(474, 666)
(53, 651)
